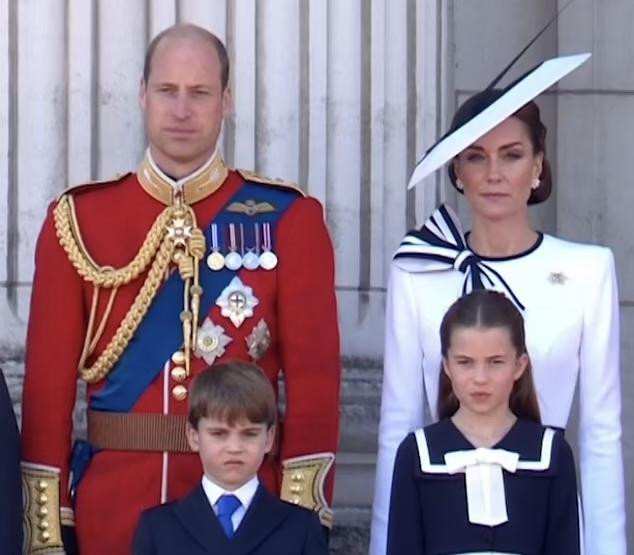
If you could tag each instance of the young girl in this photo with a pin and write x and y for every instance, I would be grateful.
(488, 477)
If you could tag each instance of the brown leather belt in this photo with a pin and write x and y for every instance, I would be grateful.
(123, 431)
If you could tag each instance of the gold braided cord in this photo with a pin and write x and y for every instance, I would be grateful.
(104, 319)
(173, 237)
(71, 241)
(85, 351)
(130, 323)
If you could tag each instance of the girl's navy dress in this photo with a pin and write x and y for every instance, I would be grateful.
(429, 509)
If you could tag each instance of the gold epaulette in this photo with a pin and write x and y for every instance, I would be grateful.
(303, 481)
(43, 517)
(250, 176)
(73, 188)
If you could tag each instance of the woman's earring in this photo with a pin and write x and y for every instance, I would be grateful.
(536, 183)
(459, 185)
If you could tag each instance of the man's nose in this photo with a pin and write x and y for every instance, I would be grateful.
(182, 106)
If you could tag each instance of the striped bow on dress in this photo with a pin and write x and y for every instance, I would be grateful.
(441, 245)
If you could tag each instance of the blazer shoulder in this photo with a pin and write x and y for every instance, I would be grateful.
(159, 514)
(573, 250)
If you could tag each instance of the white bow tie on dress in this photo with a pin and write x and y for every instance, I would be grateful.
(486, 500)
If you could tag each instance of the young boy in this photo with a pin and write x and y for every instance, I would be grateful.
(231, 424)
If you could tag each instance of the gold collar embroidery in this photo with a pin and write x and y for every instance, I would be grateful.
(200, 184)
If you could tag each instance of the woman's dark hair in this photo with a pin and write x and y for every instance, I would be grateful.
(529, 115)
(487, 309)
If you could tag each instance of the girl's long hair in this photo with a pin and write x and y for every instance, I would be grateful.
(488, 309)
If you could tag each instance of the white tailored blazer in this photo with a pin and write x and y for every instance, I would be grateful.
(569, 297)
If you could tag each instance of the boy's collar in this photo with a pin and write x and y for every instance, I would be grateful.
(244, 493)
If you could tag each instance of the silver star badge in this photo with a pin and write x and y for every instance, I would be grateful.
(211, 341)
(237, 302)
(259, 340)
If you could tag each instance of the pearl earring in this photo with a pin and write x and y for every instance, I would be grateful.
(536, 183)
(459, 185)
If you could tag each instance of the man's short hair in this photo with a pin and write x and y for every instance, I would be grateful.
(189, 31)
(230, 392)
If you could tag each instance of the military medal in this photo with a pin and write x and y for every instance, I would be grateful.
(268, 259)
(237, 302)
(250, 260)
(215, 260)
(233, 260)
(211, 341)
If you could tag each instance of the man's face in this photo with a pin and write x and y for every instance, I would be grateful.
(184, 104)
(231, 454)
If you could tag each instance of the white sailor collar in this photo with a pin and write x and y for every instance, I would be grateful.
(482, 469)
(530, 441)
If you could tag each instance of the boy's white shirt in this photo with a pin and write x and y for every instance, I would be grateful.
(244, 493)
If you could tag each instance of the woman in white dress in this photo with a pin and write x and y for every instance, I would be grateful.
(566, 291)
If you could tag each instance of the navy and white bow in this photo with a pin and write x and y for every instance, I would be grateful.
(440, 245)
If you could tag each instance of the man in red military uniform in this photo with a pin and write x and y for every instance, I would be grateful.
(142, 282)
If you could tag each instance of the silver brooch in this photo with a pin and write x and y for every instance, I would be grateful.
(557, 278)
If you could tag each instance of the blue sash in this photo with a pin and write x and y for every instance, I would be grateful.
(161, 333)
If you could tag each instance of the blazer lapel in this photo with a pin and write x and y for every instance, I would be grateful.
(265, 514)
(199, 519)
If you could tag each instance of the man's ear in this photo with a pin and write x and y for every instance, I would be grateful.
(142, 93)
(192, 437)
(227, 102)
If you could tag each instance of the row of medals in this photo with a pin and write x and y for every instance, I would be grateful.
(259, 256)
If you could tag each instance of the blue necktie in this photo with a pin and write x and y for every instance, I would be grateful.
(227, 505)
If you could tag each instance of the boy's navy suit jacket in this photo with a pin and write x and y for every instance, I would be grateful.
(269, 527)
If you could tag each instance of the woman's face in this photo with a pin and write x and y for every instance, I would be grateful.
(498, 170)
(482, 365)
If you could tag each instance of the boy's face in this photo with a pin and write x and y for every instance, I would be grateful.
(231, 455)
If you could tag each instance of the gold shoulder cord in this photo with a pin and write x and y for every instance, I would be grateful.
(174, 237)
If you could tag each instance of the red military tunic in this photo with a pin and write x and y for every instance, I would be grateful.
(296, 300)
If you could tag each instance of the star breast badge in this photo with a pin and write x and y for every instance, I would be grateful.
(211, 341)
(259, 340)
(237, 302)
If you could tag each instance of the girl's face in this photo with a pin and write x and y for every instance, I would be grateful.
(498, 170)
(482, 365)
